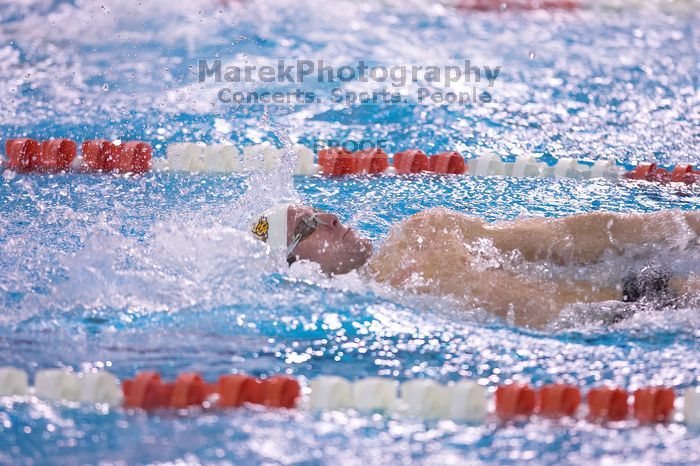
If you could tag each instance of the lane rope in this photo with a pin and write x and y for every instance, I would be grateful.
(60, 155)
(423, 398)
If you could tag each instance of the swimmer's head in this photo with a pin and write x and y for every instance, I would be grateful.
(304, 233)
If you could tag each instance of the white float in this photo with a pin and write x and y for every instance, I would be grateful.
(691, 409)
(606, 169)
(13, 381)
(57, 384)
(221, 158)
(99, 387)
(181, 154)
(253, 157)
(197, 157)
(425, 398)
(566, 167)
(374, 394)
(467, 401)
(526, 166)
(305, 161)
(272, 158)
(487, 165)
(330, 392)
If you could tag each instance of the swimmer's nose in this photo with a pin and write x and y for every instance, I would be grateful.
(329, 220)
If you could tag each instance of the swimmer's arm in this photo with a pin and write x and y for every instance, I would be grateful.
(664, 227)
(584, 238)
(534, 303)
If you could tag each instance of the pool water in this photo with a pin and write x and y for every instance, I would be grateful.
(155, 272)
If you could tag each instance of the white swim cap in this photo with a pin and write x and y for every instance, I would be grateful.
(271, 226)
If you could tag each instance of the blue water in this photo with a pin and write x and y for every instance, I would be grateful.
(155, 273)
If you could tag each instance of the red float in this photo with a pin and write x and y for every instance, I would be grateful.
(607, 403)
(23, 155)
(281, 392)
(447, 163)
(146, 391)
(411, 161)
(234, 390)
(348, 163)
(99, 155)
(189, 390)
(129, 157)
(643, 171)
(229, 388)
(651, 172)
(558, 400)
(653, 404)
(514, 400)
(254, 391)
(372, 161)
(336, 161)
(683, 174)
(328, 161)
(661, 175)
(57, 155)
(134, 157)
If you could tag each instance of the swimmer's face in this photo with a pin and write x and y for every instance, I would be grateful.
(337, 248)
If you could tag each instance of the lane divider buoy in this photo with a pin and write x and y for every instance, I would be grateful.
(189, 389)
(514, 400)
(57, 384)
(59, 155)
(411, 161)
(448, 163)
(27, 155)
(607, 404)
(99, 387)
(105, 156)
(464, 400)
(13, 382)
(425, 398)
(525, 166)
(646, 171)
(222, 158)
(374, 394)
(331, 392)
(653, 404)
(234, 390)
(691, 406)
(148, 391)
(558, 400)
(281, 392)
(339, 161)
(90, 387)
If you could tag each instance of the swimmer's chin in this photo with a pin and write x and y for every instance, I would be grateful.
(308, 266)
(353, 265)
(357, 263)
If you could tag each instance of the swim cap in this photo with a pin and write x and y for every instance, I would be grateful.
(271, 226)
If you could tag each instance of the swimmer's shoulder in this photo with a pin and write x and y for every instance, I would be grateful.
(442, 214)
(439, 220)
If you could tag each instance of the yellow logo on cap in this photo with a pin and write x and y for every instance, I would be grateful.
(261, 228)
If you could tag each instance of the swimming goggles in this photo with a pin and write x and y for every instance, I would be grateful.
(303, 230)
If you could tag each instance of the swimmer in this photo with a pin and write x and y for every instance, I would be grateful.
(442, 252)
